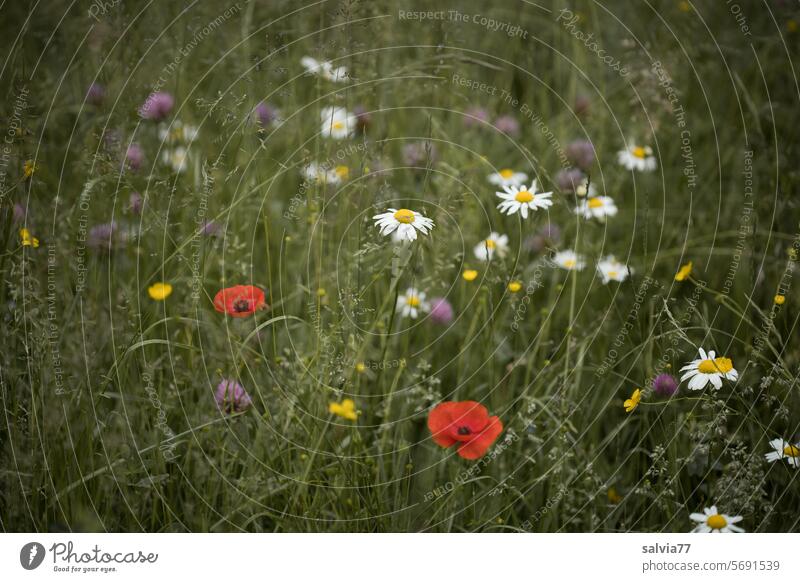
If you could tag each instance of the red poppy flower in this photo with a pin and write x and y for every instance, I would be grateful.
(239, 300)
(467, 423)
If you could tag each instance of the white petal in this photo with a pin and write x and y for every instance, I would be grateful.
(734, 519)
(698, 382)
(691, 373)
(777, 444)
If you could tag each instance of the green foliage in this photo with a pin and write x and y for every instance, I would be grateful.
(109, 417)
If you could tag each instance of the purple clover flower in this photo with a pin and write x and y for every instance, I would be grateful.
(441, 311)
(157, 106)
(581, 153)
(665, 385)
(231, 397)
(264, 114)
(474, 116)
(418, 153)
(569, 180)
(95, 94)
(134, 156)
(508, 125)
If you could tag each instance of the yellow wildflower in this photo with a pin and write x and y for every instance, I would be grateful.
(632, 402)
(28, 168)
(159, 291)
(469, 274)
(361, 367)
(684, 272)
(26, 239)
(780, 299)
(514, 286)
(346, 409)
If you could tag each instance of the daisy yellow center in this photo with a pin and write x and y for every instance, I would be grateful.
(506, 174)
(639, 152)
(490, 244)
(715, 366)
(337, 125)
(413, 301)
(569, 263)
(716, 522)
(523, 196)
(595, 202)
(404, 215)
(612, 274)
(791, 451)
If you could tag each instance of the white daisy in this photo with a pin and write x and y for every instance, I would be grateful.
(324, 69)
(486, 249)
(637, 158)
(406, 222)
(337, 122)
(708, 368)
(397, 238)
(520, 199)
(611, 269)
(712, 522)
(784, 450)
(315, 172)
(176, 158)
(597, 207)
(507, 177)
(569, 260)
(177, 132)
(412, 302)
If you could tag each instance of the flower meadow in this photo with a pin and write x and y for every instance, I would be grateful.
(400, 267)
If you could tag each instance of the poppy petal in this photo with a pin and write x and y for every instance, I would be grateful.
(239, 300)
(440, 420)
(471, 414)
(478, 446)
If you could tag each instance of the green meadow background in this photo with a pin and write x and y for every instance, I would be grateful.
(108, 414)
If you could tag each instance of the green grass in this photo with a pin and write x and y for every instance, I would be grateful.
(108, 413)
